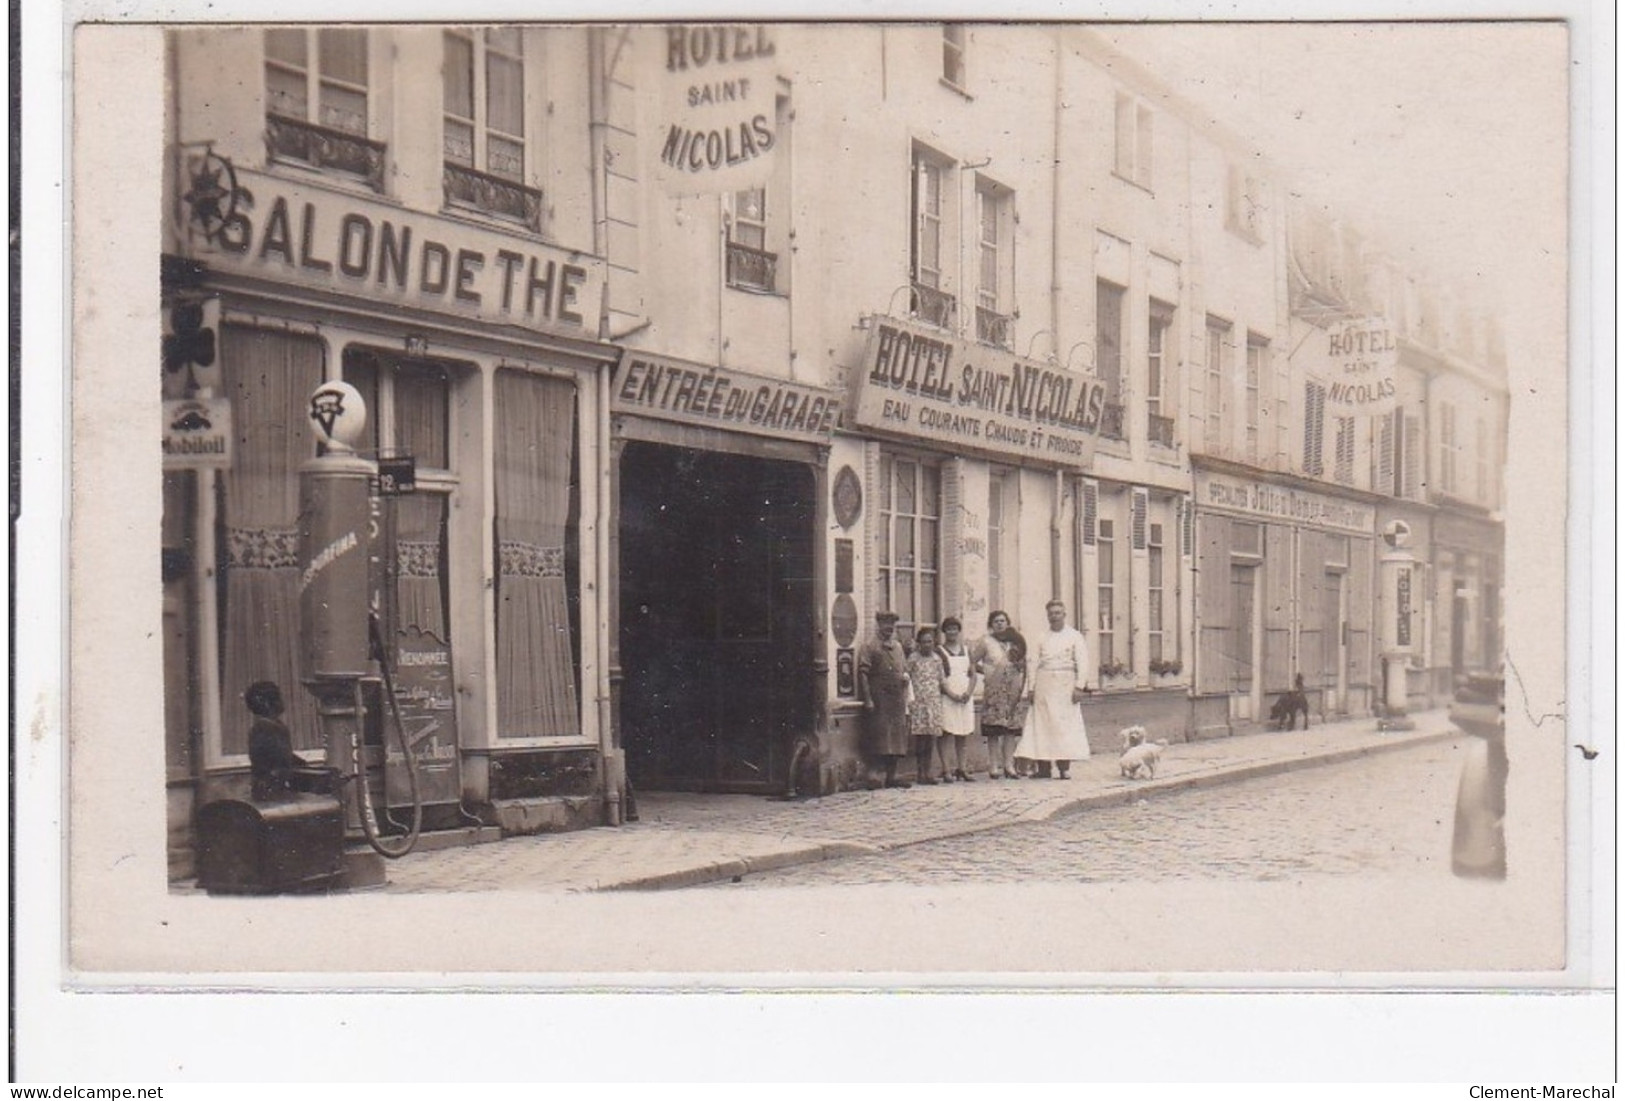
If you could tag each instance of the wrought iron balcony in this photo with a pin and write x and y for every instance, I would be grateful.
(1160, 430)
(993, 328)
(467, 186)
(932, 306)
(323, 147)
(752, 268)
(1111, 421)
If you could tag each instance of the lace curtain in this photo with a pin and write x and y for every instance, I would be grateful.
(268, 377)
(536, 688)
(420, 563)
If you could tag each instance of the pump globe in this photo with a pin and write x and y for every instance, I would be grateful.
(339, 414)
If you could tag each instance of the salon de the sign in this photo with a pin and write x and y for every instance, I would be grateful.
(351, 244)
(926, 384)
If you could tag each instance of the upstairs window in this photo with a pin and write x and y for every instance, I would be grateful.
(1399, 455)
(994, 218)
(1217, 370)
(483, 123)
(1258, 351)
(485, 101)
(316, 100)
(1449, 448)
(953, 54)
(1133, 162)
(1159, 385)
(758, 226)
(932, 208)
(1109, 355)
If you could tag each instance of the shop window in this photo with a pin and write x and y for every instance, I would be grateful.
(998, 488)
(1258, 352)
(537, 528)
(911, 521)
(953, 54)
(1159, 382)
(483, 126)
(409, 406)
(1314, 429)
(932, 205)
(995, 207)
(1106, 591)
(1133, 140)
(317, 101)
(1217, 371)
(1154, 590)
(268, 377)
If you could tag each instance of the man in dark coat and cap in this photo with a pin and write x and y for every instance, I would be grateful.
(883, 686)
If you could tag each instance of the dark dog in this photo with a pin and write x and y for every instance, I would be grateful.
(1284, 715)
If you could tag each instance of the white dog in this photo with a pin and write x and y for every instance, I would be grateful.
(1139, 762)
(1132, 736)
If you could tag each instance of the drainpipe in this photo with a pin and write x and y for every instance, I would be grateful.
(1055, 535)
(1055, 201)
(598, 121)
(614, 770)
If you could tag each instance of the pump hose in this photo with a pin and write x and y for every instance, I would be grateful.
(369, 821)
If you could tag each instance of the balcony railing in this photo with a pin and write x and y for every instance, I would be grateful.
(1111, 421)
(1160, 430)
(323, 147)
(752, 268)
(932, 306)
(993, 328)
(493, 194)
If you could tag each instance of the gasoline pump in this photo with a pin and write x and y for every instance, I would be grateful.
(338, 609)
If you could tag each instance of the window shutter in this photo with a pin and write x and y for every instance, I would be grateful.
(1385, 456)
(1314, 416)
(1413, 457)
(1137, 520)
(1091, 511)
(1188, 524)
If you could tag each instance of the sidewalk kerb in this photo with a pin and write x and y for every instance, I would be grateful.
(1124, 796)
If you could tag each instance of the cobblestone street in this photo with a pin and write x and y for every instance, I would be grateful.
(1384, 814)
(1248, 798)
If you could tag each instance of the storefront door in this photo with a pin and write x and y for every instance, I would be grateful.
(1244, 605)
(1334, 641)
(717, 610)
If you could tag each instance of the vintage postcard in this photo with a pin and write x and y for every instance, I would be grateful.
(763, 503)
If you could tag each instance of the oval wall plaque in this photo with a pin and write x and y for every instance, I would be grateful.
(848, 495)
(843, 620)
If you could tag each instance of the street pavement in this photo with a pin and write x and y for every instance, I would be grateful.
(684, 839)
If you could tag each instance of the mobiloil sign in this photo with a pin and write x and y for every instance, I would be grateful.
(923, 383)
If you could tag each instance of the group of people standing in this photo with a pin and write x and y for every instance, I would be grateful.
(922, 701)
